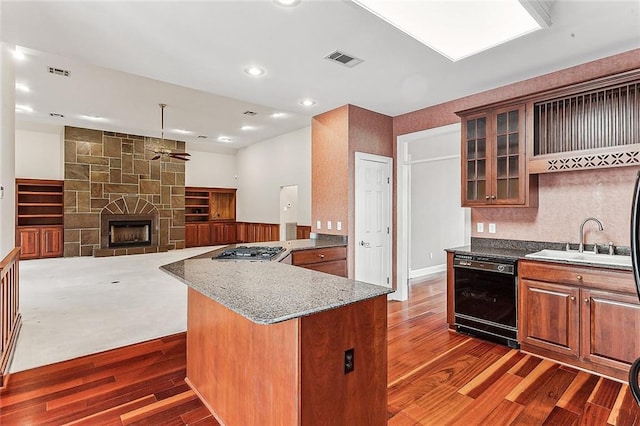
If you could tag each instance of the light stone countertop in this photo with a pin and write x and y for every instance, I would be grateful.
(267, 292)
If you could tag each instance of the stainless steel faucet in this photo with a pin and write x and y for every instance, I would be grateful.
(581, 247)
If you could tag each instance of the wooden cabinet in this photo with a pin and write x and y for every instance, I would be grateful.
(248, 232)
(494, 171)
(39, 242)
(332, 260)
(210, 215)
(39, 218)
(586, 317)
(223, 233)
(197, 234)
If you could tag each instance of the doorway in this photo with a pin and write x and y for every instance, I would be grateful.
(373, 219)
(288, 212)
(430, 218)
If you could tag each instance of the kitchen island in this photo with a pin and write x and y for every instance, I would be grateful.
(270, 343)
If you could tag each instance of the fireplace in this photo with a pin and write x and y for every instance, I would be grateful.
(129, 233)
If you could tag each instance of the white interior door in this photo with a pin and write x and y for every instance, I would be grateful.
(373, 219)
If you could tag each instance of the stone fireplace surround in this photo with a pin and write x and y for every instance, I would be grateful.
(109, 173)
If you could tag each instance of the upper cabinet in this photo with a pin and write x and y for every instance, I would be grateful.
(494, 171)
(587, 126)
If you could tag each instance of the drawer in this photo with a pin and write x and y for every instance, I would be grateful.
(335, 267)
(305, 257)
(591, 277)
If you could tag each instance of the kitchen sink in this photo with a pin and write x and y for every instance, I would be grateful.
(574, 256)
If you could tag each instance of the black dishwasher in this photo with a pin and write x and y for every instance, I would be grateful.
(486, 297)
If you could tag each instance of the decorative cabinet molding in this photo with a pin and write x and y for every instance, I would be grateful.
(588, 126)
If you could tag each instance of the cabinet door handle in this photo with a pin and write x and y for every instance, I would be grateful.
(493, 197)
(573, 298)
(586, 300)
(486, 197)
(579, 277)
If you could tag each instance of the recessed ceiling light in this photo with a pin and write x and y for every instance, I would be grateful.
(456, 29)
(92, 117)
(18, 55)
(22, 87)
(307, 102)
(278, 115)
(247, 127)
(287, 3)
(182, 131)
(224, 139)
(23, 108)
(254, 71)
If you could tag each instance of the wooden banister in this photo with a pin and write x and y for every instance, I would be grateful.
(10, 318)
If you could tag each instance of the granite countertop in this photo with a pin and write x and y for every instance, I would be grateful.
(267, 292)
(515, 250)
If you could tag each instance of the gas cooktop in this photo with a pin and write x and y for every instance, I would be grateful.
(249, 253)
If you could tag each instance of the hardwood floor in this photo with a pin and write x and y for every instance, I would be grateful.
(435, 377)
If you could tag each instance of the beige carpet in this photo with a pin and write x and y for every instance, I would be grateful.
(82, 305)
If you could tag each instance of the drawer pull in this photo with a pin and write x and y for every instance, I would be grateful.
(573, 298)
(586, 300)
(579, 277)
(321, 256)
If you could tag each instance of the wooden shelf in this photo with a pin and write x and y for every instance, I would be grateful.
(39, 217)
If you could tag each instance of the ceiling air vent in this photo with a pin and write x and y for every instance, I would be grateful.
(251, 113)
(343, 59)
(202, 137)
(59, 71)
(57, 115)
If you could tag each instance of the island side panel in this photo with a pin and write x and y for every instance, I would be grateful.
(246, 373)
(328, 395)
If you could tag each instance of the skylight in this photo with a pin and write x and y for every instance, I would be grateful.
(456, 29)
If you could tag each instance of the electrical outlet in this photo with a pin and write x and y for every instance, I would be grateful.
(430, 255)
(339, 226)
(329, 224)
(348, 361)
(492, 228)
(480, 227)
(318, 224)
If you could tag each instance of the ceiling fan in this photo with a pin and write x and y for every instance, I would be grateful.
(166, 152)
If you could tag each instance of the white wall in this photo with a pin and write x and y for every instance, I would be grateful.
(7, 150)
(211, 169)
(436, 220)
(40, 153)
(265, 167)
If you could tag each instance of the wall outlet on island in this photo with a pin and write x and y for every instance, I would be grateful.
(329, 224)
(492, 228)
(339, 226)
(480, 227)
(318, 224)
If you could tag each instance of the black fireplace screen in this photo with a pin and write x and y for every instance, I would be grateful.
(127, 233)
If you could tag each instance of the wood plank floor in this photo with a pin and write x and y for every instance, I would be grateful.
(435, 377)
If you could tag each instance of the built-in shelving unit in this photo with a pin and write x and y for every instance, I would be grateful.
(210, 216)
(39, 217)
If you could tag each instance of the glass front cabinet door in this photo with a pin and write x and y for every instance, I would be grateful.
(493, 158)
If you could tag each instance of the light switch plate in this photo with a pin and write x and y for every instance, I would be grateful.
(492, 228)
(480, 227)
(318, 224)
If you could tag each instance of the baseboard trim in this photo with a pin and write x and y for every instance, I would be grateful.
(423, 272)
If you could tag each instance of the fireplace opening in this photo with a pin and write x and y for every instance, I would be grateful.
(127, 233)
